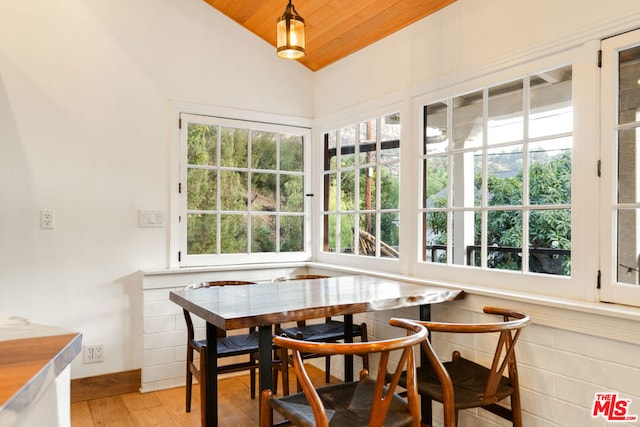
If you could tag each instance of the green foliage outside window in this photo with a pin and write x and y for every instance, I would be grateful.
(550, 184)
(235, 195)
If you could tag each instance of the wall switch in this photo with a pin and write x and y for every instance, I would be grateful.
(151, 219)
(93, 353)
(47, 219)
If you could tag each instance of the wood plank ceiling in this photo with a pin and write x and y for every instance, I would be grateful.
(334, 28)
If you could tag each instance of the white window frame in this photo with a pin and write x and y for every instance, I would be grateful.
(612, 290)
(365, 111)
(376, 211)
(177, 257)
(582, 283)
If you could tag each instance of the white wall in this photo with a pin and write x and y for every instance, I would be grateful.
(85, 98)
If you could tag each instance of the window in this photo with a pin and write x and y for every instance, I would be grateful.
(361, 207)
(242, 191)
(496, 168)
(620, 258)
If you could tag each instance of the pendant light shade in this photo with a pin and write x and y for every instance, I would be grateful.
(290, 28)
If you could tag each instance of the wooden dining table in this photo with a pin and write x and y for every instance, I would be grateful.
(264, 304)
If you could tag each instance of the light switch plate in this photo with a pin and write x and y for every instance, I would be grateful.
(149, 218)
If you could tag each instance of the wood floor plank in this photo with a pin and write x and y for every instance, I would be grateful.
(139, 401)
(173, 400)
(156, 416)
(110, 411)
(167, 407)
(81, 415)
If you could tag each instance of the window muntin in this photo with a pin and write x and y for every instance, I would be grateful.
(498, 194)
(361, 207)
(242, 190)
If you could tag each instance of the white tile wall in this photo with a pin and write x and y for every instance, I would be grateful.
(560, 370)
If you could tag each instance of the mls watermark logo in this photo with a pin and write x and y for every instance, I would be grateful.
(612, 408)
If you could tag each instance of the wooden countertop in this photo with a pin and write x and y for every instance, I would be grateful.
(31, 357)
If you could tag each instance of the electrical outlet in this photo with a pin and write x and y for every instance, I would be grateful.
(47, 219)
(93, 353)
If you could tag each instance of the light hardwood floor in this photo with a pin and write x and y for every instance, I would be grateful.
(166, 407)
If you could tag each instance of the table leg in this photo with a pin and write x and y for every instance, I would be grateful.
(348, 337)
(265, 348)
(425, 402)
(209, 414)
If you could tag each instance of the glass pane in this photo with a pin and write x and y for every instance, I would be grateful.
(292, 234)
(504, 239)
(291, 193)
(436, 182)
(201, 189)
(233, 234)
(330, 236)
(551, 110)
(347, 146)
(467, 120)
(436, 237)
(368, 148)
(436, 133)
(506, 121)
(234, 144)
(390, 137)
(550, 241)
(629, 90)
(291, 153)
(466, 169)
(201, 144)
(463, 234)
(504, 176)
(477, 178)
(474, 252)
(628, 246)
(628, 185)
(347, 227)
(367, 188)
(263, 150)
(550, 172)
(234, 196)
(390, 186)
(201, 234)
(390, 234)
(263, 233)
(330, 147)
(330, 191)
(367, 235)
(347, 190)
(263, 192)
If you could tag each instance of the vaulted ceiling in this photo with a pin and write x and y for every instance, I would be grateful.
(334, 28)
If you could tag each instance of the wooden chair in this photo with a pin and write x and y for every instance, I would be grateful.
(367, 402)
(462, 384)
(227, 346)
(330, 331)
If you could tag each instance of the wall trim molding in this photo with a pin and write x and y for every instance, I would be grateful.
(107, 385)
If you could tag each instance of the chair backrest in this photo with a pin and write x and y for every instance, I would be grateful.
(383, 395)
(187, 316)
(299, 277)
(503, 358)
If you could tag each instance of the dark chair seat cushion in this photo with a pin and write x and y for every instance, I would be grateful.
(469, 380)
(234, 345)
(347, 404)
(321, 332)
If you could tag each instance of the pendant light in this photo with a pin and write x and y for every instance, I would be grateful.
(290, 29)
